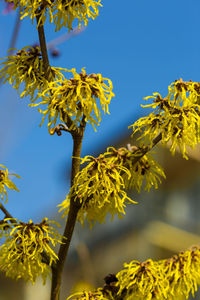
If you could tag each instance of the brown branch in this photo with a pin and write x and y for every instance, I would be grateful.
(156, 140)
(77, 135)
(43, 47)
(6, 213)
(72, 216)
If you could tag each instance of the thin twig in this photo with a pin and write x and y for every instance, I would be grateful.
(6, 213)
(65, 37)
(156, 140)
(15, 32)
(14, 36)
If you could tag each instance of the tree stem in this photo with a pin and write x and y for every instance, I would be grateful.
(77, 135)
(43, 47)
(71, 220)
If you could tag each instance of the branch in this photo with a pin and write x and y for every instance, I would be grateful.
(43, 47)
(14, 36)
(64, 37)
(72, 216)
(6, 213)
(156, 140)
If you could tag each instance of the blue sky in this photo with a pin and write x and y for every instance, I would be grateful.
(142, 47)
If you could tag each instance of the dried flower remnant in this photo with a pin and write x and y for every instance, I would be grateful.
(8, 7)
(76, 98)
(21, 255)
(176, 117)
(6, 182)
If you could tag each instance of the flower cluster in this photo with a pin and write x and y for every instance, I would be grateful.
(166, 279)
(76, 98)
(144, 170)
(26, 247)
(142, 280)
(33, 9)
(100, 189)
(96, 295)
(6, 182)
(176, 117)
(182, 272)
(62, 13)
(68, 11)
(100, 185)
(26, 66)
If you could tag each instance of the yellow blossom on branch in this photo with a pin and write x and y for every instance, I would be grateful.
(22, 253)
(100, 185)
(76, 98)
(184, 91)
(144, 172)
(182, 272)
(100, 189)
(65, 12)
(142, 281)
(167, 279)
(176, 117)
(6, 182)
(99, 294)
(26, 66)
(62, 13)
(32, 9)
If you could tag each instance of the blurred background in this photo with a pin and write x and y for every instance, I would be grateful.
(142, 46)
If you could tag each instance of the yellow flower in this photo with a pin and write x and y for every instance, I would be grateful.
(100, 189)
(62, 13)
(142, 281)
(77, 98)
(67, 11)
(26, 66)
(6, 182)
(182, 272)
(26, 245)
(184, 91)
(170, 279)
(100, 185)
(31, 9)
(145, 171)
(96, 295)
(176, 117)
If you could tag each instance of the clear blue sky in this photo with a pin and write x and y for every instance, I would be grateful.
(142, 46)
